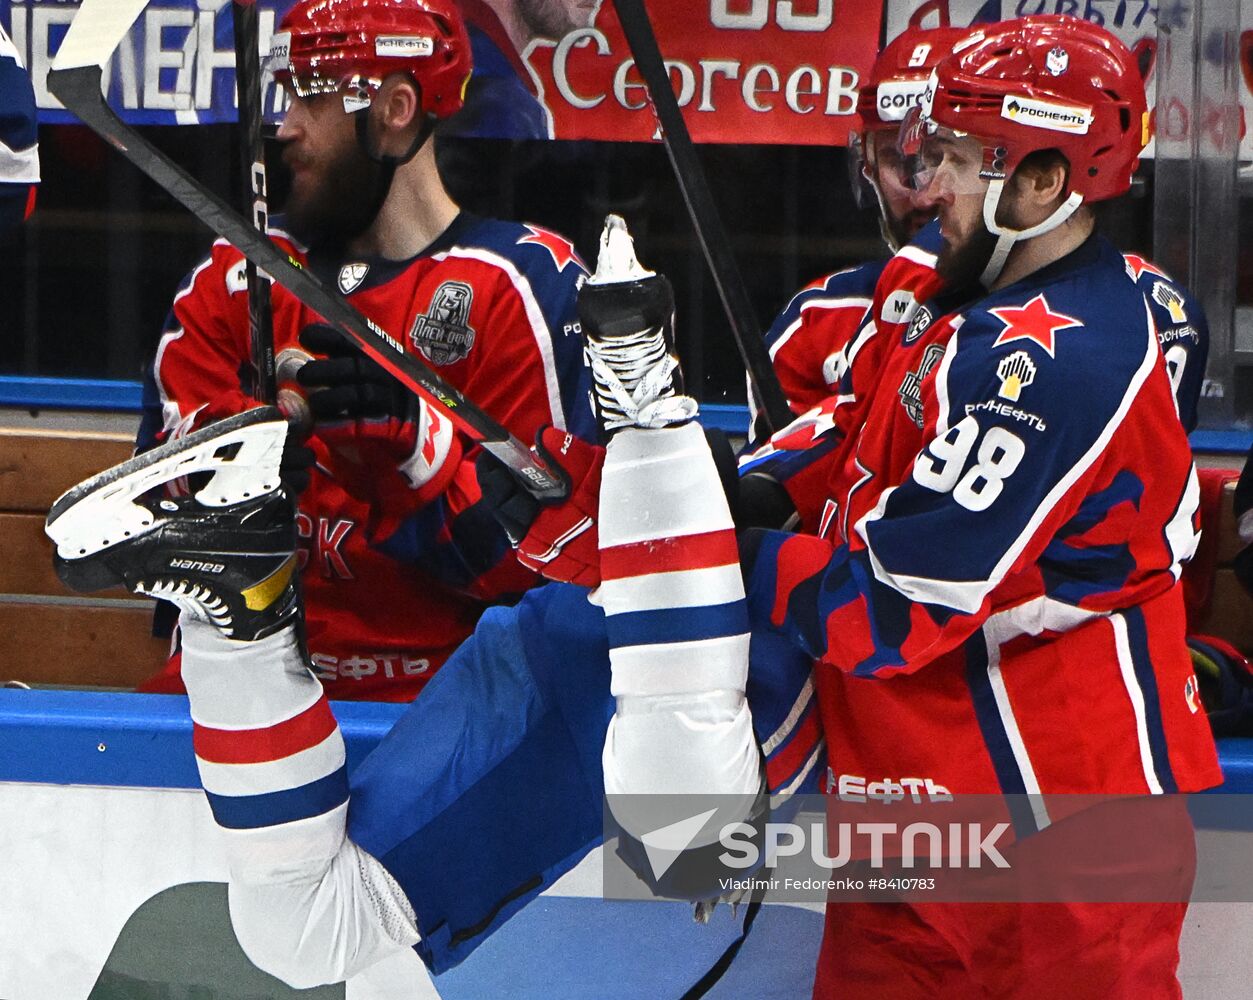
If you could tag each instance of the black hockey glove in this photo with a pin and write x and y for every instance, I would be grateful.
(344, 385)
(297, 461)
(384, 445)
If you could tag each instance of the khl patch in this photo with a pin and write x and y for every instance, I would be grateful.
(444, 334)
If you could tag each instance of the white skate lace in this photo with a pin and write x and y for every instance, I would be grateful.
(197, 600)
(632, 372)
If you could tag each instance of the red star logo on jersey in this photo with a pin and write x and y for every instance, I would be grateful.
(1035, 321)
(558, 246)
(1137, 265)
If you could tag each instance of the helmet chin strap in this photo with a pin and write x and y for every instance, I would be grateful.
(885, 230)
(1006, 237)
(361, 123)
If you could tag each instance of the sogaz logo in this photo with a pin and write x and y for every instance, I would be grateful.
(895, 97)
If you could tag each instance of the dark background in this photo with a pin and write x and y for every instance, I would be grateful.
(86, 284)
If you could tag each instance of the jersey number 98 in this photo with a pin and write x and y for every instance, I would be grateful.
(939, 467)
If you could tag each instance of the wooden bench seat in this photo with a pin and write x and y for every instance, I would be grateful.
(48, 634)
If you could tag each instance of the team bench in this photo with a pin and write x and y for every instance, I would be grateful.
(48, 634)
(51, 636)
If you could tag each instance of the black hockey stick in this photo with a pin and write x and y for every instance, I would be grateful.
(704, 214)
(716, 971)
(252, 160)
(78, 88)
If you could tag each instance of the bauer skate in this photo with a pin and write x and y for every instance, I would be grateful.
(224, 554)
(627, 315)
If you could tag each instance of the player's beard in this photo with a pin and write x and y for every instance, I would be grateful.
(341, 199)
(897, 232)
(962, 264)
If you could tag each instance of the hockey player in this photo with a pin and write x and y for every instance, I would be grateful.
(449, 828)
(19, 150)
(398, 557)
(826, 325)
(1026, 500)
(807, 339)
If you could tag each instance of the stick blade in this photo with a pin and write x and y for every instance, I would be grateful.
(97, 29)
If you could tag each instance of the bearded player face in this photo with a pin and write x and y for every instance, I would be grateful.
(947, 183)
(334, 185)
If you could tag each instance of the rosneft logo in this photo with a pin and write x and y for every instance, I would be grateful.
(1044, 114)
(403, 46)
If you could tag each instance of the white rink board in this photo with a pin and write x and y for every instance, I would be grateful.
(79, 860)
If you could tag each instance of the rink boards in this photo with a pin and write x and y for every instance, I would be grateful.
(112, 886)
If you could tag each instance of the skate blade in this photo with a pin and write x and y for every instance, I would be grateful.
(243, 452)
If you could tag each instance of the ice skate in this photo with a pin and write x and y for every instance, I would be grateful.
(627, 314)
(225, 554)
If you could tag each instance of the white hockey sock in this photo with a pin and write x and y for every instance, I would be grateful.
(307, 905)
(270, 754)
(678, 630)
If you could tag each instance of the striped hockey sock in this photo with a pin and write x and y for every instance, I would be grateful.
(678, 629)
(270, 754)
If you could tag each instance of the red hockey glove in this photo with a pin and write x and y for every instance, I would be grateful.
(557, 540)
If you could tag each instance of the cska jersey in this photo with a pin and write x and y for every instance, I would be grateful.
(808, 455)
(1182, 332)
(807, 339)
(490, 306)
(1005, 615)
(19, 151)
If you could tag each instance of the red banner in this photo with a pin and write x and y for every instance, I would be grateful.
(768, 71)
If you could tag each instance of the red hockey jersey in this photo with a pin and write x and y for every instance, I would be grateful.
(1006, 614)
(491, 307)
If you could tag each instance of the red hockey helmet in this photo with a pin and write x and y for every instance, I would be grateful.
(900, 73)
(322, 45)
(1047, 82)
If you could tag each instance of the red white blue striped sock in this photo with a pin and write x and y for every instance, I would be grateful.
(270, 754)
(677, 623)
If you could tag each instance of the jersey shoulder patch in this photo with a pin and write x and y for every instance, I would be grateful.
(533, 250)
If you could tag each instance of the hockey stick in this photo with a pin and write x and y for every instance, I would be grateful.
(704, 214)
(78, 88)
(252, 157)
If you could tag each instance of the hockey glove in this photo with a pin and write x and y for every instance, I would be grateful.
(384, 444)
(297, 461)
(558, 540)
